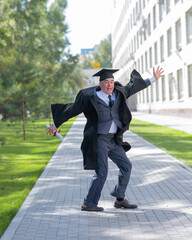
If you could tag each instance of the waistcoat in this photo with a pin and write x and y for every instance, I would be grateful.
(107, 115)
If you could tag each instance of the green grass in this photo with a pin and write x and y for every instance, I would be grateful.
(22, 162)
(174, 142)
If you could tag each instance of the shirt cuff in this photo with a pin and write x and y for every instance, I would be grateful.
(152, 80)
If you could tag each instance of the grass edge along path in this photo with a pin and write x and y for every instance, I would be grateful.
(22, 162)
(174, 142)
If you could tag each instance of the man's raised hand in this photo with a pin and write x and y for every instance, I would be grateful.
(158, 72)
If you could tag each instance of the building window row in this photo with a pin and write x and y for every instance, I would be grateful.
(145, 29)
(159, 51)
(169, 89)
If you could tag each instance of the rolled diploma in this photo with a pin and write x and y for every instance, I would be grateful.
(57, 134)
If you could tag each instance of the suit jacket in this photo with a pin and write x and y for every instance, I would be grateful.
(86, 103)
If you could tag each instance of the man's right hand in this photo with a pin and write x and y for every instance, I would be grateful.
(50, 130)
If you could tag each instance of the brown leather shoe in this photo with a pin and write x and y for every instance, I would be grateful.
(124, 204)
(84, 207)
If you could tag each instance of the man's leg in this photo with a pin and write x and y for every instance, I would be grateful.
(118, 156)
(100, 176)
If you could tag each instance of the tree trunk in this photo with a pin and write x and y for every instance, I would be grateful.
(23, 117)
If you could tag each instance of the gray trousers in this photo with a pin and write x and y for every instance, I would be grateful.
(107, 147)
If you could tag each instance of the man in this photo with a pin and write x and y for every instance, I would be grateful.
(108, 117)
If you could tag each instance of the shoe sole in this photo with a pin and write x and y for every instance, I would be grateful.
(92, 210)
(117, 206)
(89, 210)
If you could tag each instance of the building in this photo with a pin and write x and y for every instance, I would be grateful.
(89, 50)
(149, 33)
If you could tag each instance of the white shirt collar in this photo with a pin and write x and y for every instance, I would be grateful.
(104, 96)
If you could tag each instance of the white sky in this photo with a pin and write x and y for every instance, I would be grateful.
(89, 22)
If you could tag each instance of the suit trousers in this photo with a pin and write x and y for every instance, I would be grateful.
(107, 147)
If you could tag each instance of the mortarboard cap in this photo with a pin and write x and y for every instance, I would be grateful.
(105, 73)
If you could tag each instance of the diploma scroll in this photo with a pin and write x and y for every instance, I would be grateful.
(56, 133)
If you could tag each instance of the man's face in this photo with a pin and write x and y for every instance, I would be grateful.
(107, 85)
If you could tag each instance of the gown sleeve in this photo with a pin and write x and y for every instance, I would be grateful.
(62, 112)
(136, 84)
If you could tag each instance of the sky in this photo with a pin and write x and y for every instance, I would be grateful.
(89, 22)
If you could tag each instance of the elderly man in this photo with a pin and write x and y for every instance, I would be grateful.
(108, 117)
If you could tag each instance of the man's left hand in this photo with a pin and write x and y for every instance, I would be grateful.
(158, 73)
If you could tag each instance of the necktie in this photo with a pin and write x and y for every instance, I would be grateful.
(111, 102)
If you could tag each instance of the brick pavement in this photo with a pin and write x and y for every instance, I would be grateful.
(160, 185)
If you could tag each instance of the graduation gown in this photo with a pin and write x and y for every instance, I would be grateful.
(86, 103)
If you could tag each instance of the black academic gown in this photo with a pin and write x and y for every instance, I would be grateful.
(86, 103)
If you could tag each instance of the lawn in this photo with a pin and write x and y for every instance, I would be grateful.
(174, 142)
(22, 162)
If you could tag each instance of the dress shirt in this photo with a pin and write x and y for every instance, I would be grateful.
(104, 97)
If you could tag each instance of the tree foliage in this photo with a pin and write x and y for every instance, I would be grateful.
(36, 67)
(103, 54)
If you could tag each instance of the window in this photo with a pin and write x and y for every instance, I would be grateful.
(131, 22)
(141, 36)
(180, 84)
(162, 48)
(139, 6)
(146, 61)
(171, 86)
(189, 26)
(137, 10)
(138, 64)
(168, 6)
(149, 24)
(190, 79)
(143, 3)
(137, 39)
(132, 50)
(150, 58)
(155, 52)
(135, 43)
(169, 42)
(154, 17)
(152, 97)
(139, 93)
(161, 12)
(142, 70)
(144, 96)
(147, 95)
(178, 35)
(157, 90)
(163, 89)
(134, 17)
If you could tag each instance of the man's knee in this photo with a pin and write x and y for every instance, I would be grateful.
(102, 176)
(126, 170)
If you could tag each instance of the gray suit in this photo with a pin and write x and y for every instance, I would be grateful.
(107, 147)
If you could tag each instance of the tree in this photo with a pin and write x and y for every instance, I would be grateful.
(34, 60)
(103, 54)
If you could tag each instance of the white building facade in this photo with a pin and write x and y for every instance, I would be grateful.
(148, 33)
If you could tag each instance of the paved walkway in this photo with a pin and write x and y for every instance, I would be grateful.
(176, 122)
(159, 184)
